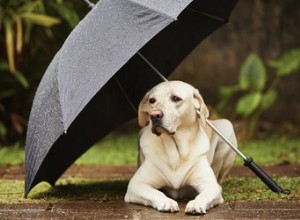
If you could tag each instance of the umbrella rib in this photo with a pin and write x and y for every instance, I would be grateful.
(154, 9)
(152, 67)
(124, 93)
(208, 15)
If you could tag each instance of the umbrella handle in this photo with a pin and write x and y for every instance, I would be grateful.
(264, 177)
(248, 162)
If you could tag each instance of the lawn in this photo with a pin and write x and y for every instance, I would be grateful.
(77, 189)
(122, 150)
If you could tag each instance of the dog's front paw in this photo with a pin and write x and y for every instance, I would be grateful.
(195, 207)
(166, 205)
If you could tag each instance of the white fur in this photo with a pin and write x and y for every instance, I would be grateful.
(183, 159)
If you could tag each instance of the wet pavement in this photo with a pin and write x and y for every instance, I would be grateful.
(120, 210)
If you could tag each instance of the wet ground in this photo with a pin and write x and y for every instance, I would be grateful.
(121, 210)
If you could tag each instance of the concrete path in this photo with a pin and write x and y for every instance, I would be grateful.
(121, 210)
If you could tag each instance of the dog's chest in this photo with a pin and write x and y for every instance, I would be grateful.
(177, 178)
(176, 159)
(178, 151)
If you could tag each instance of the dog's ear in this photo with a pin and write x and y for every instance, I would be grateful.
(143, 115)
(201, 109)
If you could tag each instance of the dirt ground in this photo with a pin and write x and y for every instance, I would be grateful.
(121, 210)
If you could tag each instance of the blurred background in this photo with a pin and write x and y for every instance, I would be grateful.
(247, 71)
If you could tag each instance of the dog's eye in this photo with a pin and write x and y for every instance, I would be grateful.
(152, 100)
(175, 98)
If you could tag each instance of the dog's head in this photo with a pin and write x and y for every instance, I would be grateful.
(171, 105)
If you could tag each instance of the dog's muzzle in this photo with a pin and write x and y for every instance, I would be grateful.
(156, 117)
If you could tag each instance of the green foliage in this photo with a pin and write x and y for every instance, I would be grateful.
(255, 96)
(27, 27)
(18, 18)
(288, 63)
(248, 103)
(253, 74)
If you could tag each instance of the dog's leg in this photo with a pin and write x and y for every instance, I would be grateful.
(208, 198)
(226, 159)
(146, 195)
(210, 192)
(141, 190)
(224, 156)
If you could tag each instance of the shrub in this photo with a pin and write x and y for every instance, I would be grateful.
(255, 95)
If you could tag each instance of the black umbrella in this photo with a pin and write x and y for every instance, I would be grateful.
(96, 80)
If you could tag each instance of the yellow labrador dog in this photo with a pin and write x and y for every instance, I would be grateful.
(179, 155)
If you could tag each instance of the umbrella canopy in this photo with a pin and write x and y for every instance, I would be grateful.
(106, 65)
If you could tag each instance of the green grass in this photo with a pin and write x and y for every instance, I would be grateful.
(13, 155)
(67, 189)
(253, 189)
(270, 151)
(113, 150)
(122, 149)
(77, 189)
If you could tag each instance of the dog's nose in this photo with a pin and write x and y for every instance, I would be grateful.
(156, 115)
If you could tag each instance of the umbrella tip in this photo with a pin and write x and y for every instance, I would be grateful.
(65, 131)
(90, 5)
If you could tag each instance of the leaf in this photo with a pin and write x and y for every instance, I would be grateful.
(30, 6)
(228, 91)
(7, 93)
(67, 13)
(19, 33)
(225, 93)
(248, 104)
(253, 74)
(288, 63)
(40, 19)
(10, 45)
(268, 99)
(21, 79)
